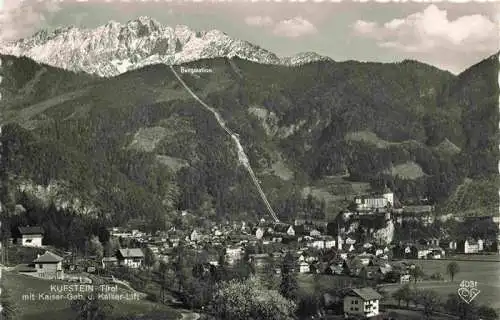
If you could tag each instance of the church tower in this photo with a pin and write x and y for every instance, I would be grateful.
(339, 239)
(339, 242)
(388, 195)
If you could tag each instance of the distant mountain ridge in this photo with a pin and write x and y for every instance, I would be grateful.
(115, 48)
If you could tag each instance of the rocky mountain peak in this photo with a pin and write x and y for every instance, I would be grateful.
(115, 48)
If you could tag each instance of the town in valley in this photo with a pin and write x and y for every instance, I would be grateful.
(357, 265)
(249, 160)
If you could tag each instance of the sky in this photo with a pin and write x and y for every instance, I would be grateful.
(450, 36)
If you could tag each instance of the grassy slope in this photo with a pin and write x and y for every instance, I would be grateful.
(18, 285)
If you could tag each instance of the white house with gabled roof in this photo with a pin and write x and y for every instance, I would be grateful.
(31, 236)
(130, 257)
(49, 266)
(363, 302)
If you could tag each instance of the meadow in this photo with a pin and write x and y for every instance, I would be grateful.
(486, 273)
(18, 285)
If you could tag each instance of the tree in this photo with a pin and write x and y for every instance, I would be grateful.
(243, 270)
(166, 280)
(455, 305)
(199, 293)
(452, 269)
(363, 274)
(288, 263)
(221, 273)
(487, 313)
(95, 247)
(416, 273)
(429, 300)
(269, 277)
(317, 283)
(222, 261)
(403, 294)
(180, 267)
(249, 299)
(91, 308)
(111, 247)
(289, 285)
(468, 311)
(149, 258)
(398, 296)
(309, 305)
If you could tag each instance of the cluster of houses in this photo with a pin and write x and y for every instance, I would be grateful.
(307, 240)
(436, 248)
(351, 256)
(50, 265)
(311, 236)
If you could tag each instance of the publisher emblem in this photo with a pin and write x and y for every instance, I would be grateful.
(468, 291)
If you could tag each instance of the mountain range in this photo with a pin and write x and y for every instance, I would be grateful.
(115, 48)
(138, 147)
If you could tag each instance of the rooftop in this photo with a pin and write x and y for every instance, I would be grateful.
(365, 293)
(131, 253)
(30, 230)
(48, 257)
(109, 259)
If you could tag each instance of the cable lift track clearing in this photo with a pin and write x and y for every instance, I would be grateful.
(242, 157)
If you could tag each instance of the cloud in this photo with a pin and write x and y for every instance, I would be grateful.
(294, 28)
(364, 27)
(432, 37)
(259, 21)
(291, 28)
(20, 19)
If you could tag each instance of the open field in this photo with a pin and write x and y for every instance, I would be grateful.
(474, 257)
(19, 285)
(402, 314)
(408, 170)
(309, 283)
(486, 273)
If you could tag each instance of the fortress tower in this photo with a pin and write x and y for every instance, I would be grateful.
(389, 196)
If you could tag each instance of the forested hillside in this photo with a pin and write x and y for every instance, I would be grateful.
(139, 147)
